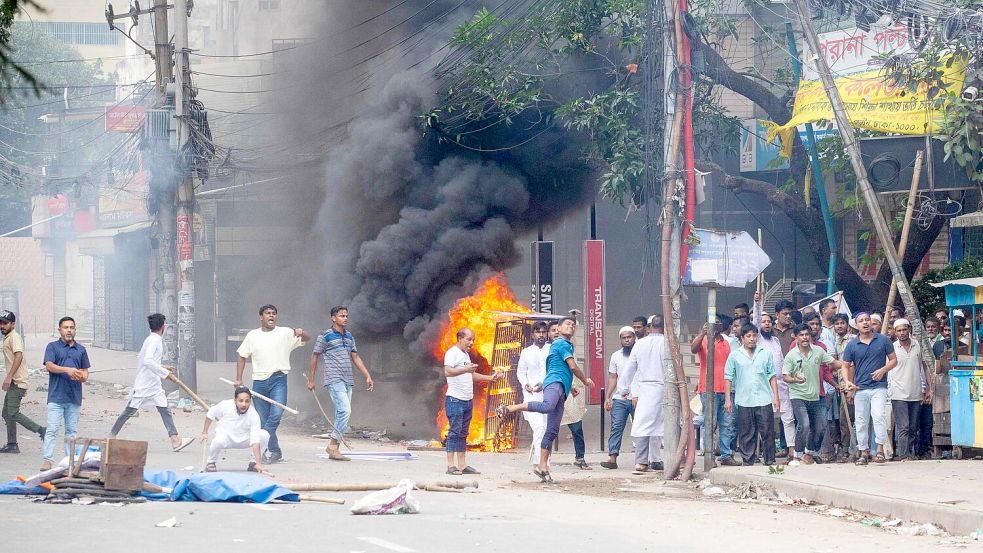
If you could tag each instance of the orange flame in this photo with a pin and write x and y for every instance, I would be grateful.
(476, 312)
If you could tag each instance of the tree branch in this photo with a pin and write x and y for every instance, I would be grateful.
(719, 72)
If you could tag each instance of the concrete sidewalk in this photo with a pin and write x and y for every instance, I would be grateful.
(945, 493)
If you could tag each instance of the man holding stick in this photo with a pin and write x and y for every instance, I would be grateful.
(459, 400)
(147, 388)
(337, 348)
(269, 348)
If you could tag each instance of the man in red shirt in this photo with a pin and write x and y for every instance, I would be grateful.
(726, 421)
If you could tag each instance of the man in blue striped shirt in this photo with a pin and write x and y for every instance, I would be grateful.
(337, 348)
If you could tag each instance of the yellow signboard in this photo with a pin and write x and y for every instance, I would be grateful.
(872, 103)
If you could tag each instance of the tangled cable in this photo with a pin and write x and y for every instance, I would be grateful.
(928, 208)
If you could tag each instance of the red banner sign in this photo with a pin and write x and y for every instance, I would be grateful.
(594, 316)
(125, 118)
(185, 248)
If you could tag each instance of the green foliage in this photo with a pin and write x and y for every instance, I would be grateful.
(10, 70)
(962, 127)
(930, 299)
(511, 70)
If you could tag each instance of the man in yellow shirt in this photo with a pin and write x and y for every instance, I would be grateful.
(269, 347)
(14, 383)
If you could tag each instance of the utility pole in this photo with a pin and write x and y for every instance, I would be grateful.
(187, 366)
(163, 182)
(852, 148)
(710, 408)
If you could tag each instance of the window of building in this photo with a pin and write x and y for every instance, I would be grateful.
(269, 5)
(89, 34)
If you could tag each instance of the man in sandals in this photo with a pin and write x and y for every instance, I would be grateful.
(561, 367)
(237, 426)
(147, 388)
(459, 400)
(339, 353)
(869, 358)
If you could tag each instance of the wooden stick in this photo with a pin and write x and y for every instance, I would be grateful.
(173, 378)
(264, 398)
(906, 227)
(316, 499)
(368, 487)
(331, 424)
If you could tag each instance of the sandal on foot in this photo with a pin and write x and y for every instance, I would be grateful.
(210, 467)
(582, 464)
(862, 460)
(543, 475)
(879, 458)
(454, 471)
(470, 470)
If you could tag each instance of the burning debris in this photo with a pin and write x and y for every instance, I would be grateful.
(477, 312)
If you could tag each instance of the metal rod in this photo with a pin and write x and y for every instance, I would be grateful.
(603, 396)
(709, 410)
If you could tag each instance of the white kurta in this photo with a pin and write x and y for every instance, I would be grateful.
(147, 388)
(645, 370)
(531, 370)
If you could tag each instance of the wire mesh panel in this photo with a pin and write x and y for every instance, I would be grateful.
(510, 338)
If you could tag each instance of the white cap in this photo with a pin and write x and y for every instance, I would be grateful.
(958, 313)
(626, 329)
(876, 317)
(652, 320)
(901, 322)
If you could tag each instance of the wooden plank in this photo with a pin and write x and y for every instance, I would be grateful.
(122, 464)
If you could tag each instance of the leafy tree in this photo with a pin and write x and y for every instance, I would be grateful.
(931, 299)
(528, 72)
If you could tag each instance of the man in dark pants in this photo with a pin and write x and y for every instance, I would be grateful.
(802, 372)
(907, 386)
(750, 374)
(14, 383)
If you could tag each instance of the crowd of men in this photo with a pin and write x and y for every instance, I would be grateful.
(809, 386)
(240, 422)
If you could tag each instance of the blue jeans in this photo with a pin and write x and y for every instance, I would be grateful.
(552, 405)
(458, 414)
(341, 396)
(58, 412)
(577, 431)
(726, 426)
(275, 388)
(620, 409)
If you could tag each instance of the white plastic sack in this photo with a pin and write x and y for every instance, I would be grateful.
(394, 501)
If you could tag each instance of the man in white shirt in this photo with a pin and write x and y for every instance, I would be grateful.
(618, 402)
(531, 370)
(269, 347)
(237, 426)
(459, 400)
(646, 360)
(147, 388)
(907, 386)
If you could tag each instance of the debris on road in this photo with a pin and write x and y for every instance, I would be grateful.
(397, 500)
(169, 523)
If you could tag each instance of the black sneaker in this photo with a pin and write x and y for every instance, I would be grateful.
(42, 431)
(10, 448)
(656, 465)
(274, 457)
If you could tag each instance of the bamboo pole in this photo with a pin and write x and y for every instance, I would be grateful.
(906, 227)
(264, 398)
(173, 378)
(375, 486)
(316, 499)
(761, 276)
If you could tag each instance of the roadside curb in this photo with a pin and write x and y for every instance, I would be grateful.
(956, 521)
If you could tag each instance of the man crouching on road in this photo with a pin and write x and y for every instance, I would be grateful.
(236, 427)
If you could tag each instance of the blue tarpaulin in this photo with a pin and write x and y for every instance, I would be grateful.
(217, 486)
(16, 487)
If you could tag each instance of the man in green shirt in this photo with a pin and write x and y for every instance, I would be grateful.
(750, 373)
(802, 373)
